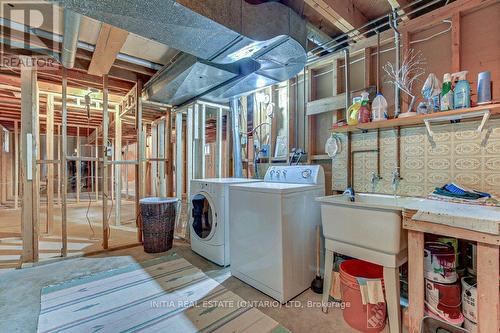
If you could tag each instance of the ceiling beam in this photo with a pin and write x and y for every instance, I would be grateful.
(398, 4)
(109, 44)
(341, 13)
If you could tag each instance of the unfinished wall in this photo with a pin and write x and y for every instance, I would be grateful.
(457, 152)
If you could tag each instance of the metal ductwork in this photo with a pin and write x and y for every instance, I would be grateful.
(231, 46)
(70, 38)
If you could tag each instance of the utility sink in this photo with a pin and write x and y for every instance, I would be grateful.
(370, 228)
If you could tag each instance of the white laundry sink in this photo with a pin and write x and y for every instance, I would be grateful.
(370, 228)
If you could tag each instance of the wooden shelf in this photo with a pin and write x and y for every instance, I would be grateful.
(415, 120)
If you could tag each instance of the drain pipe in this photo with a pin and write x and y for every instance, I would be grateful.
(235, 126)
(70, 38)
(393, 23)
(347, 79)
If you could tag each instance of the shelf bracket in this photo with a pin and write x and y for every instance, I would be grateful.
(484, 113)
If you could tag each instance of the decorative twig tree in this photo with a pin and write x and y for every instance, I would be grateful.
(410, 71)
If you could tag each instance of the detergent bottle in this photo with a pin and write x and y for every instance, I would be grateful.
(364, 115)
(446, 93)
(461, 93)
(352, 113)
(379, 108)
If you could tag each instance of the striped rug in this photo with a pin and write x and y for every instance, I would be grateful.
(167, 294)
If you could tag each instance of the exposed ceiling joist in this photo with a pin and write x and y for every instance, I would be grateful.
(109, 43)
(341, 13)
(395, 4)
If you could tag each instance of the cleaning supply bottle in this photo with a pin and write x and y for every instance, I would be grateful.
(446, 93)
(461, 93)
(352, 113)
(379, 108)
(364, 115)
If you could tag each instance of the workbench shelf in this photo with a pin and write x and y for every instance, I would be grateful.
(418, 120)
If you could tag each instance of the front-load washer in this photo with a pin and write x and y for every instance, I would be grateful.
(209, 211)
(272, 230)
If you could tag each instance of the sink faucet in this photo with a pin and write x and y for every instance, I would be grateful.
(349, 192)
(375, 178)
(396, 178)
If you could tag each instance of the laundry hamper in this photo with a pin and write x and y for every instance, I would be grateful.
(433, 325)
(158, 222)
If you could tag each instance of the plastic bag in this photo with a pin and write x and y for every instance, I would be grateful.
(431, 86)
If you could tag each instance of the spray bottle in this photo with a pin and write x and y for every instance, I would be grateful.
(446, 94)
(364, 115)
(461, 93)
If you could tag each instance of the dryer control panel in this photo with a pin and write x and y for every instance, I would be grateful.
(296, 174)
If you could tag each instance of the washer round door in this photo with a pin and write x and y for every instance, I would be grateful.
(203, 216)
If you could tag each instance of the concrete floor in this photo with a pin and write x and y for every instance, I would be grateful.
(20, 291)
(81, 238)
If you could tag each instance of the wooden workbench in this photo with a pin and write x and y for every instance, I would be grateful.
(487, 269)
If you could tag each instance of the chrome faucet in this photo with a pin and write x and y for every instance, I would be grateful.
(349, 192)
(278, 173)
(396, 178)
(284, 173)
(375, 178)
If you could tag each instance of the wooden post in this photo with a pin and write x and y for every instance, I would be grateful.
(368, 67)
(3, 168)
(139, 151)
(229, 146)
(218, 143)
(416, 279)
(96, 165)
(126, 171)
(112, 172)
(455, 42)
(64, 165)
(105, 176)
(169, 154)
(118, 167)
(29, 110)
(59, 165)
(179, 158)
(488, 301)
(16, 164)
(405, 100)
(189, 148)
(161, 154)
(78, 165)
(154, 155)
(49, 145)
(202, 141)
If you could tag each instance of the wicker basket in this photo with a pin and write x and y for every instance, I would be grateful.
(158, 222)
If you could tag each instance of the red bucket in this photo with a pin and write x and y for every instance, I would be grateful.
(364, 318)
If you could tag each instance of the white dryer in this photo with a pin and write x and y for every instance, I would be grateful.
(272, 230)
(208, 217)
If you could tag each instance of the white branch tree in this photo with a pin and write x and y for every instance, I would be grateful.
(408, 74)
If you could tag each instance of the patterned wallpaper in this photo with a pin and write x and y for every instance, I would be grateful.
(456, 153)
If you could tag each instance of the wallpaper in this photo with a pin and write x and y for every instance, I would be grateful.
(456, 153)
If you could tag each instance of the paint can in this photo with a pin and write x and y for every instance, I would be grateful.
(470, 326)
(444, 301)
(440, 262)
(471, 258)
(469, 298)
